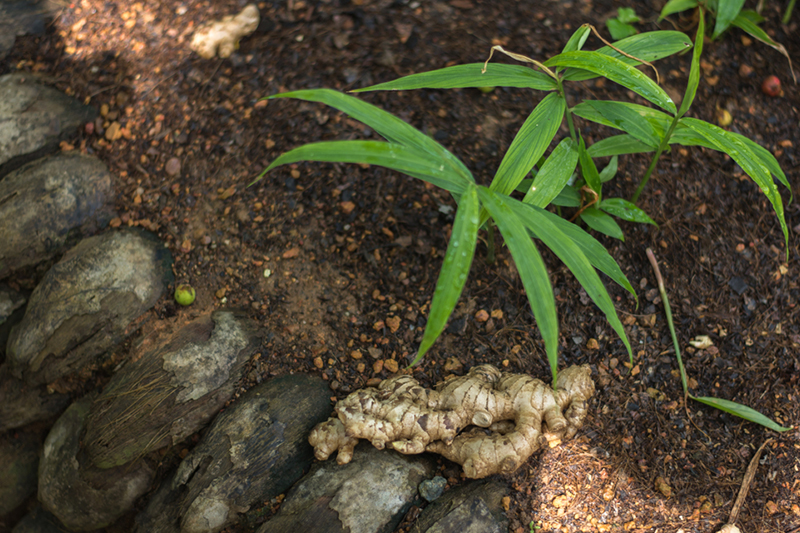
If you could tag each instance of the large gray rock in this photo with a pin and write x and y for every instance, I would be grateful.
(38, 521)
(11, 310)
(85, 303)
(22, 17)
(171, 391)
(253, 451)
(19, 461)
(476, 507)
(95, 463)
(81, 502)
(34, 118)
(370, 494)
(22, 404)
(49, 202)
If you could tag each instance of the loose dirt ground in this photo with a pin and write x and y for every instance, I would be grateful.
(339, 261)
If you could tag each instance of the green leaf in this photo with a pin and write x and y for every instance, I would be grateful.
(594, 251)
(650, 46)
(617, 71)
(589, 170)
(766, 157)
(455, 269)
(387, 125)
(625, 210)
(659, 121)
(618, 145)
(688, 137)
(610, 171)
(531, 141)
(727, 10)
(675, 6)
(410, 161)
(568, 197)
(573, 257)
(694, 70)
(578, 38)
(745, 22)
(531, 268)
(627, 15)
(599, 221)
(620, 30)
(554, 174)
(751, 163)
(469, 75)
(742, 411)
(626, 117)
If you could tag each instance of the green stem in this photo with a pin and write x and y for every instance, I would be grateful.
(788, 13)
(568, 112)
(668, 312)
(661, 147)
(490, 243)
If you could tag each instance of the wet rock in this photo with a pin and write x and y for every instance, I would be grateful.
(38, 521)
(171, 391)
(85, 502)
(22, 404)
(253, 451)
(34, 118)
(49, 202)
(19, 461)
(11, 310)
(22, 17)
(472, 508)
(86, 303)
(368, 495)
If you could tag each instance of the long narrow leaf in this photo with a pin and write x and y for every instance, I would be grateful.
(694, 70)
(727, 10)
(599, 221)
(389, 126)
(410, 161)
(766, 157)
(744, 22)
(658, 120)
(554, 174)
(589, 170)
(574, 258)
(531, 268)
(650, 46)
(470, 75)
(626, 118)
(529, 145)
(618, 145)
(676, 6)
(751, 163)
(568, 197)
(625, 210)
(617, 71)
(594, 251)
(578, 39)
(742, 411)
(455, 269)
(688, 137)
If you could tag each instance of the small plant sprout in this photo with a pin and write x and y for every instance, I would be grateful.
(567, 177)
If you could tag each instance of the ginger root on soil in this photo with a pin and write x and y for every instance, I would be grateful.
(488, 421)
(221, 37)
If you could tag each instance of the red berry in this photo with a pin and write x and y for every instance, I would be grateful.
(771, 86)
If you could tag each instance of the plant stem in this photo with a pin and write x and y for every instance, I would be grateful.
(490, 243)
(661, 147)
(668, 312)
(568, 112)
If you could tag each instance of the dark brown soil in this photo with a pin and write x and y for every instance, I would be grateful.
(340, 262)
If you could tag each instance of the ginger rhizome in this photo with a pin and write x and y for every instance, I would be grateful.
(488, 421)
(221, 37)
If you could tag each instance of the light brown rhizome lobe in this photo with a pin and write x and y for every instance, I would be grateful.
(488, 421)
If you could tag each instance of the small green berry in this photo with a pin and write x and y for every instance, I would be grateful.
(184, 295)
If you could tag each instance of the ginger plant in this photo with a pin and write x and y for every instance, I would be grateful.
(488, 421)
